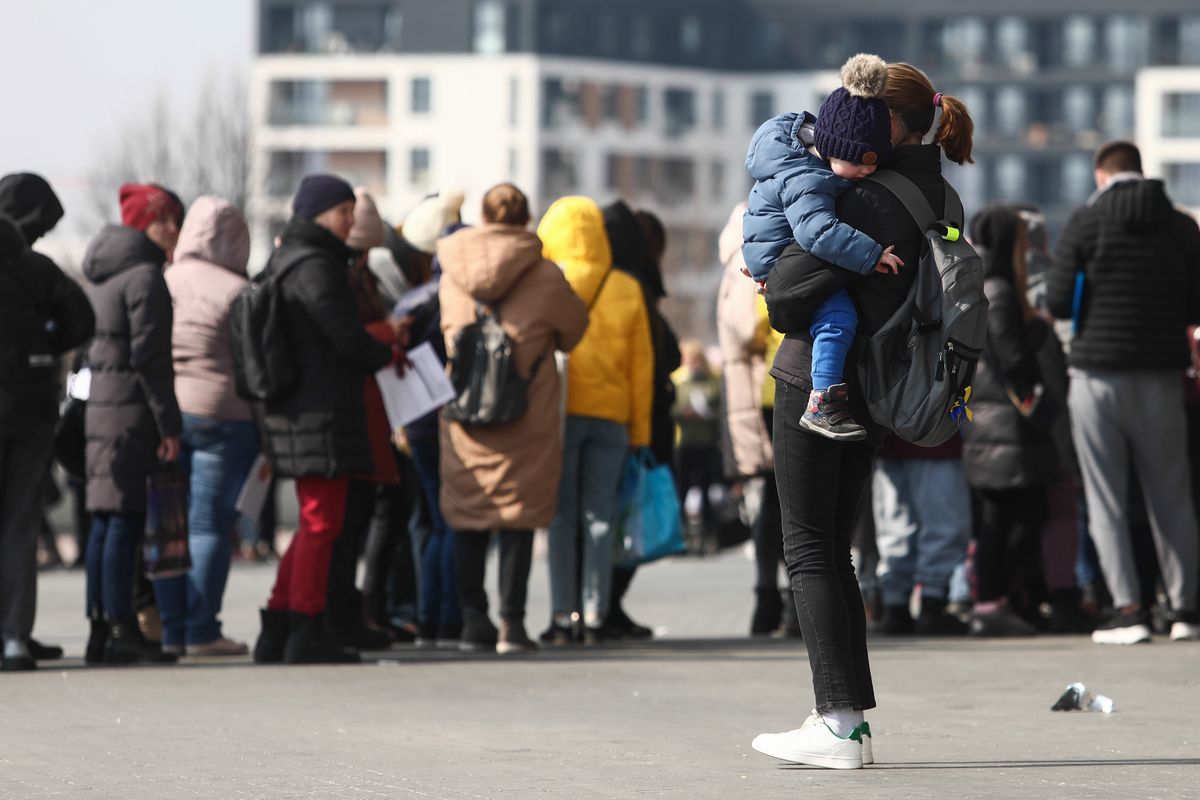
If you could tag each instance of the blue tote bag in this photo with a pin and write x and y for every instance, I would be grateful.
(649, 524)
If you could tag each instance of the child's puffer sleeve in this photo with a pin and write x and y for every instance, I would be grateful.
(810, 203)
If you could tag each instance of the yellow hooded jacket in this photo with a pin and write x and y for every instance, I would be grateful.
(610, 374)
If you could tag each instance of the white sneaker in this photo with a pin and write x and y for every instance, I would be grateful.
(1184, 632)
(813, 743)
(218, 647)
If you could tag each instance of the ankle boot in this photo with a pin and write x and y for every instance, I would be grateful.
(127, 645)
(271, 641)
(934, 620)
(768, 612)
(308, 642)
(478, 632)
(97, 641)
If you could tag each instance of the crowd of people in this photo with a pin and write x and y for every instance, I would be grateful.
(1062, 507)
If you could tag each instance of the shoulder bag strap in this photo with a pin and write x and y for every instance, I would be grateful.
(599, 289)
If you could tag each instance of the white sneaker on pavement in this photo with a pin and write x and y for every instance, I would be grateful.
(813, 743)
(218, 647)
(1184, 632)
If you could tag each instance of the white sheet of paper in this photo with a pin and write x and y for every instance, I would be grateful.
(424, 387)
(254, 491)
(79, 384)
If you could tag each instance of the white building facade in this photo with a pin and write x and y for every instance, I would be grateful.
(1168, 133)
(671, 140)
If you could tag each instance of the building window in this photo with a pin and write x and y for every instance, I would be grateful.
(1010, 178)
(491, 27)
(1079, 41)
(691, 35)
(1118, 111)
(559, 174)
(717, 179)
(560, 103)
(964, 43)
(421, 98)
(641, 39)
(762, 108)
(1010, 111)
(1079, 109)
(328, 103)
(1127, 42)
(1013, 45)
(326, 28)
(678, 184)
(514, 164)
(1181, 114)
(680, 108)
(1183, 182)
(419, 167)
(1077, 179)
(514, 102)
(718, 110)
(1189, 39)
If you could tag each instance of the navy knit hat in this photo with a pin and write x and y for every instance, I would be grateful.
(319, 193)
(854, 124)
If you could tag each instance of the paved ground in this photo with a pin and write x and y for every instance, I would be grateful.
(670, 719)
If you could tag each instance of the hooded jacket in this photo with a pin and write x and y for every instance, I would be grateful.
(208, 273)
(506, 476)
(1141, 264)
(611, 372)
(793, 200)
(632, 255)
(742, 335)
(319, 429)
(43, 313)
(132, 403)
(1001, 448)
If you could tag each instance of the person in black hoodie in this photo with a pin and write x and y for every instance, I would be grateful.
(43, 314)
(317, 432)
(133, 421)
(638, 241)
(1127, 270)
(1009, 455)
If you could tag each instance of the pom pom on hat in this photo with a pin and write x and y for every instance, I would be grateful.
(425, 224)
(865, 75)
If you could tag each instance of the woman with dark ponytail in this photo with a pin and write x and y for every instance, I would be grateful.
(821, 481)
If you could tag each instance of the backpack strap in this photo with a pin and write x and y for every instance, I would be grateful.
(911, 197)
(599, 289)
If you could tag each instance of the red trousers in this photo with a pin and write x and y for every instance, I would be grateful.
(303, 577)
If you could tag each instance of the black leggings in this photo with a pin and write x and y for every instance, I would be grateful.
(516, 558)
(821, 487)
(1008, 540)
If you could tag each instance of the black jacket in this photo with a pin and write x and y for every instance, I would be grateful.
(1002, 449)
(320, 428)
(631, 254)
(132, 402)
(43, 313)
(1141, 261)
(800, 282)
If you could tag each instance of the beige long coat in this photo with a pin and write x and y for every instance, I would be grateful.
(506, 476)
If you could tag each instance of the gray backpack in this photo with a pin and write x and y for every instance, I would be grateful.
(917, 373)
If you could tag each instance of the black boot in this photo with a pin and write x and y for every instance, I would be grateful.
(127, 645)
(935, 621)
(478, 632)
(768, 612)
(274, 635)
(350, 629)
(1066, 613)
(309, 642)
(97, 641)
(896, 621)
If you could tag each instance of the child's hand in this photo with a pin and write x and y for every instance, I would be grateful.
(762, 287)
(889, 262)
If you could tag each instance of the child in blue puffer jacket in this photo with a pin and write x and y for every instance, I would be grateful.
(800, 165)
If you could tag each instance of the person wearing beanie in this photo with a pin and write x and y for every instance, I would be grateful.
(800, 165)
(426, 223)
(316, 432)
(155, 211)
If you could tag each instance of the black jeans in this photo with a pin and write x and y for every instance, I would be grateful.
(344, 608)
(821, 487)
(516, 558)
(1008, 540)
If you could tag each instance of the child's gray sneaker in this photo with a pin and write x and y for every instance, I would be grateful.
(829, 415)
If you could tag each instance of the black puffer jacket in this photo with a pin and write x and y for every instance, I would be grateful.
(1141, 261)
(320, 428)
(800, 281)
(1002, 449)
(132, 402)
(43, 313)
(631, 254)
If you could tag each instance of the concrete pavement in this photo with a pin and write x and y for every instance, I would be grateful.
(670, 719)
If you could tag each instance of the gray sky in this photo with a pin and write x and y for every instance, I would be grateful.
(75, 70)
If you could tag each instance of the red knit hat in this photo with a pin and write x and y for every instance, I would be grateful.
(144, 203)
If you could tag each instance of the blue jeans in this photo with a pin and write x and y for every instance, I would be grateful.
(922, 524)
(439, 585)
(217, 456)
(833, 326)
(110, 554)
(594, 452)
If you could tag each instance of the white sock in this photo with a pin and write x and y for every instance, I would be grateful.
(15, 648)
(843, 721)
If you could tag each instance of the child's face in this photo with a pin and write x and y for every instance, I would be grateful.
(849, 170)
